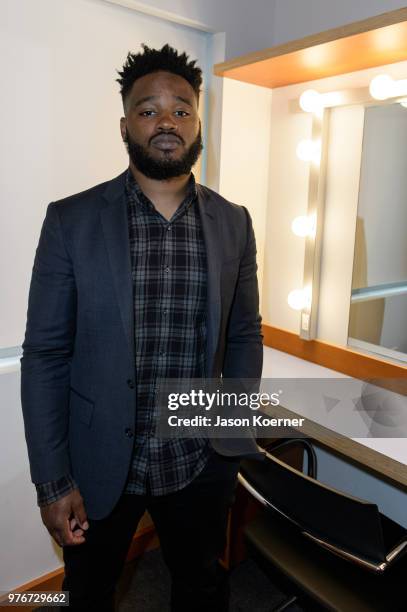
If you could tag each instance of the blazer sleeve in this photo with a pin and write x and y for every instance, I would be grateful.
(244, 339)
(47, 350)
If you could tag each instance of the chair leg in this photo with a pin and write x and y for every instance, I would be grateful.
(285, 604)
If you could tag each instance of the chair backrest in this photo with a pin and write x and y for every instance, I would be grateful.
(345, 524)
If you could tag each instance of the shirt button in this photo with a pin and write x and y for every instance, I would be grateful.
(165, 311)
(162, 353)
(167, 269)
(128, 432)
(130, 383)
(169, 228)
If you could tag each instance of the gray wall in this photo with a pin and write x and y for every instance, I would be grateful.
(255, 25)
(297, 18)
(248, 26)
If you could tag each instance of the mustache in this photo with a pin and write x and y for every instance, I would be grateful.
(166, 137)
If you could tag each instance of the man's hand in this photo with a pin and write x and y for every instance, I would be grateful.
(62, 516)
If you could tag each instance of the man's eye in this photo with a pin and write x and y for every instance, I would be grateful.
(182, 113)
(147, 113)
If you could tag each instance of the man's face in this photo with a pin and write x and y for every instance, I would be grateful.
(161, 129)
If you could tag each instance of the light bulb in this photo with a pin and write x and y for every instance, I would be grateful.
(309, 150)
(299, 299)
(311, 101)
(304, 226)
(381, 87)
(295, 299)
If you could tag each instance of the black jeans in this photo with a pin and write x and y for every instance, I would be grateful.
(191, 524)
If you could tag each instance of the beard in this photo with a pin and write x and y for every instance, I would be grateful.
(162, 169)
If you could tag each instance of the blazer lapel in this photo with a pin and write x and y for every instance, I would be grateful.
(211, 232)
(116, 232)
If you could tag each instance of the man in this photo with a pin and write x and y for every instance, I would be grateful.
(146, 276)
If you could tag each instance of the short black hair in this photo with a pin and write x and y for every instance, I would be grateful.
(152, 60)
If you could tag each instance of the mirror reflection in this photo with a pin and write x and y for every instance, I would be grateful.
(378, 309)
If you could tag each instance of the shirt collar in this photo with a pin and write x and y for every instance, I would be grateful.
(136, 195)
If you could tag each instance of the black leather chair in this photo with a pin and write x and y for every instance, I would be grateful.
(325, 546)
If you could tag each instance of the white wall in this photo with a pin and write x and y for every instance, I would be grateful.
(245, 145)
(27, 551)
(60, 116)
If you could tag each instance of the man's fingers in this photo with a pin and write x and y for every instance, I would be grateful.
(79, 532)
(80, 513)
(67, 537)
(74, 523)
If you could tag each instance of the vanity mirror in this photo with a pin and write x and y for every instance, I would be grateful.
(308, 192)
(378, 302)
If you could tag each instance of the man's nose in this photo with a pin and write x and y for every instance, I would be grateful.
(167, 122)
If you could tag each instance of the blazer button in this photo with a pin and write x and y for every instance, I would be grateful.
(130, 383)
(128, 432)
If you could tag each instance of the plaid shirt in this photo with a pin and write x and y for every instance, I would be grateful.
(169, 291)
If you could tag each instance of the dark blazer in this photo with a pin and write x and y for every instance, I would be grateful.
(77, 371)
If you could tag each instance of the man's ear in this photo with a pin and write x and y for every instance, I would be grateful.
(123, 130)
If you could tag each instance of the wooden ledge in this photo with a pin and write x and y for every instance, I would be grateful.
(371, 42)
(338, 358)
